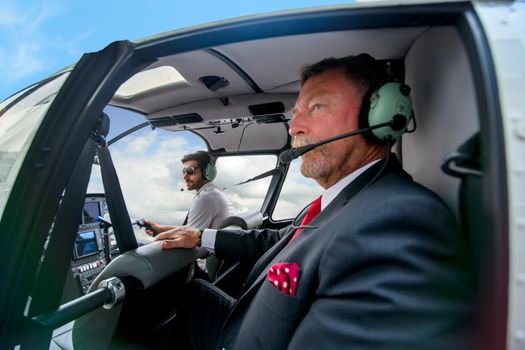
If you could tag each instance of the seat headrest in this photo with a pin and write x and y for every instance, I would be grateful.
(466, 160)
(246, 220)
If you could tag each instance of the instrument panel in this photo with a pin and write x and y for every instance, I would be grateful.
(92, 248)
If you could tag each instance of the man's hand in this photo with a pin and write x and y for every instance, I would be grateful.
(180, 237)
(158, 228)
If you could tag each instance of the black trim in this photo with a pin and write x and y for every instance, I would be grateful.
(127, 132)
(116, 205)
(268, 108)
(274, 191)
(162, 122)
(213, 82)
(493, 303)
(276, 186)
(222, 153)
(236, 68)
(67, 221)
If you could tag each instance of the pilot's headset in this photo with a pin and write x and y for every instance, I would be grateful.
(387, 102)
(210, 170)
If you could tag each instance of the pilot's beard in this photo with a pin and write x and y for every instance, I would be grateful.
(315, 164)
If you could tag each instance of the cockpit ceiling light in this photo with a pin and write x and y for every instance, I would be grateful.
(149, 80)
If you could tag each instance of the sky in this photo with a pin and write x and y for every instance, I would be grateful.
(38, 38)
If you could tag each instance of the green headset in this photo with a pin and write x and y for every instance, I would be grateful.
(209, 172)
(387, 102)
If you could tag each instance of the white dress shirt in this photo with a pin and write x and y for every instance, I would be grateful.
(210, 207)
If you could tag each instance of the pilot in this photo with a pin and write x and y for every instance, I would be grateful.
(211, 206)
(377, 262)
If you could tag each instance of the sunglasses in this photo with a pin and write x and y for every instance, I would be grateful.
(189, 170)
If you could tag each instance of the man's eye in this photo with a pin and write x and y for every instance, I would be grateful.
(317, 107)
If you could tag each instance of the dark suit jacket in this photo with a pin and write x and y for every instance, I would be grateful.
(386, 268)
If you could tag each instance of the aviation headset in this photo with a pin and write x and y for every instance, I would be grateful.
(389, 101)
(206, 163)
(210, 170)
(385, 102)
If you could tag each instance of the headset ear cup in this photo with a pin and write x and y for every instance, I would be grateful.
(388, 103)
(210, 172)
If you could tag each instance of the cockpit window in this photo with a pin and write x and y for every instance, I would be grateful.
(236, 169)
(149, 167)
(148, 164)
(19, 121)
(297, 192)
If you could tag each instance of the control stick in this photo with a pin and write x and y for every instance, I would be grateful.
(143, 224)
(104, 226)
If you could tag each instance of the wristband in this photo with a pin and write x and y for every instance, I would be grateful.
(201, 230)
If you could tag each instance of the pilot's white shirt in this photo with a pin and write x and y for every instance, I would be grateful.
(210, 207)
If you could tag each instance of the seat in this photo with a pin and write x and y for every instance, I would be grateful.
(465, 164)
(475, 215)
(243, 221)
(227, 275)
(246, 220)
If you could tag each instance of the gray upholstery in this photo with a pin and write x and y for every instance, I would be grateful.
(246, 220)
(149, 264)
(435, 76)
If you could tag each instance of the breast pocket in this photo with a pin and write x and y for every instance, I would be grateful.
(273, 301)
(271, 319)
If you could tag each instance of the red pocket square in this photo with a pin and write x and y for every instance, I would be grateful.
(284, 276)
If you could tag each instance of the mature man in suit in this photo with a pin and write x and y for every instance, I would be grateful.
(382, 266)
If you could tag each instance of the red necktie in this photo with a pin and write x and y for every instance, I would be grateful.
(315, 208)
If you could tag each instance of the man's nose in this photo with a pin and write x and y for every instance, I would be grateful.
(298, 125)
(186, 176)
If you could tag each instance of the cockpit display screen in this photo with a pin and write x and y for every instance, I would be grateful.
(90, 212)
(86, 244)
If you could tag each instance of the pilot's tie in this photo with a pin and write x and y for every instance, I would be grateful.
(315, 208)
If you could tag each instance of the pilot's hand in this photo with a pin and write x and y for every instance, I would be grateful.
(180, 237)
(153, 225)
(158, 228)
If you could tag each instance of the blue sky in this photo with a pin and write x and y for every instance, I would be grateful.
(38, 38)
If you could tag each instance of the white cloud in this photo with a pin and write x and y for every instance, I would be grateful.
(233, 170)
(149, 169)
(140, 143)
(147, 180)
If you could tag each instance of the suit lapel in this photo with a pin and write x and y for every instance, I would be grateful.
(258, 272)
(269, 256)
(272, 252)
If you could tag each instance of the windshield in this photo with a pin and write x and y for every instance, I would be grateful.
(20, 117)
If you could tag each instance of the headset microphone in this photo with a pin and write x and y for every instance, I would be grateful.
(293, 153)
